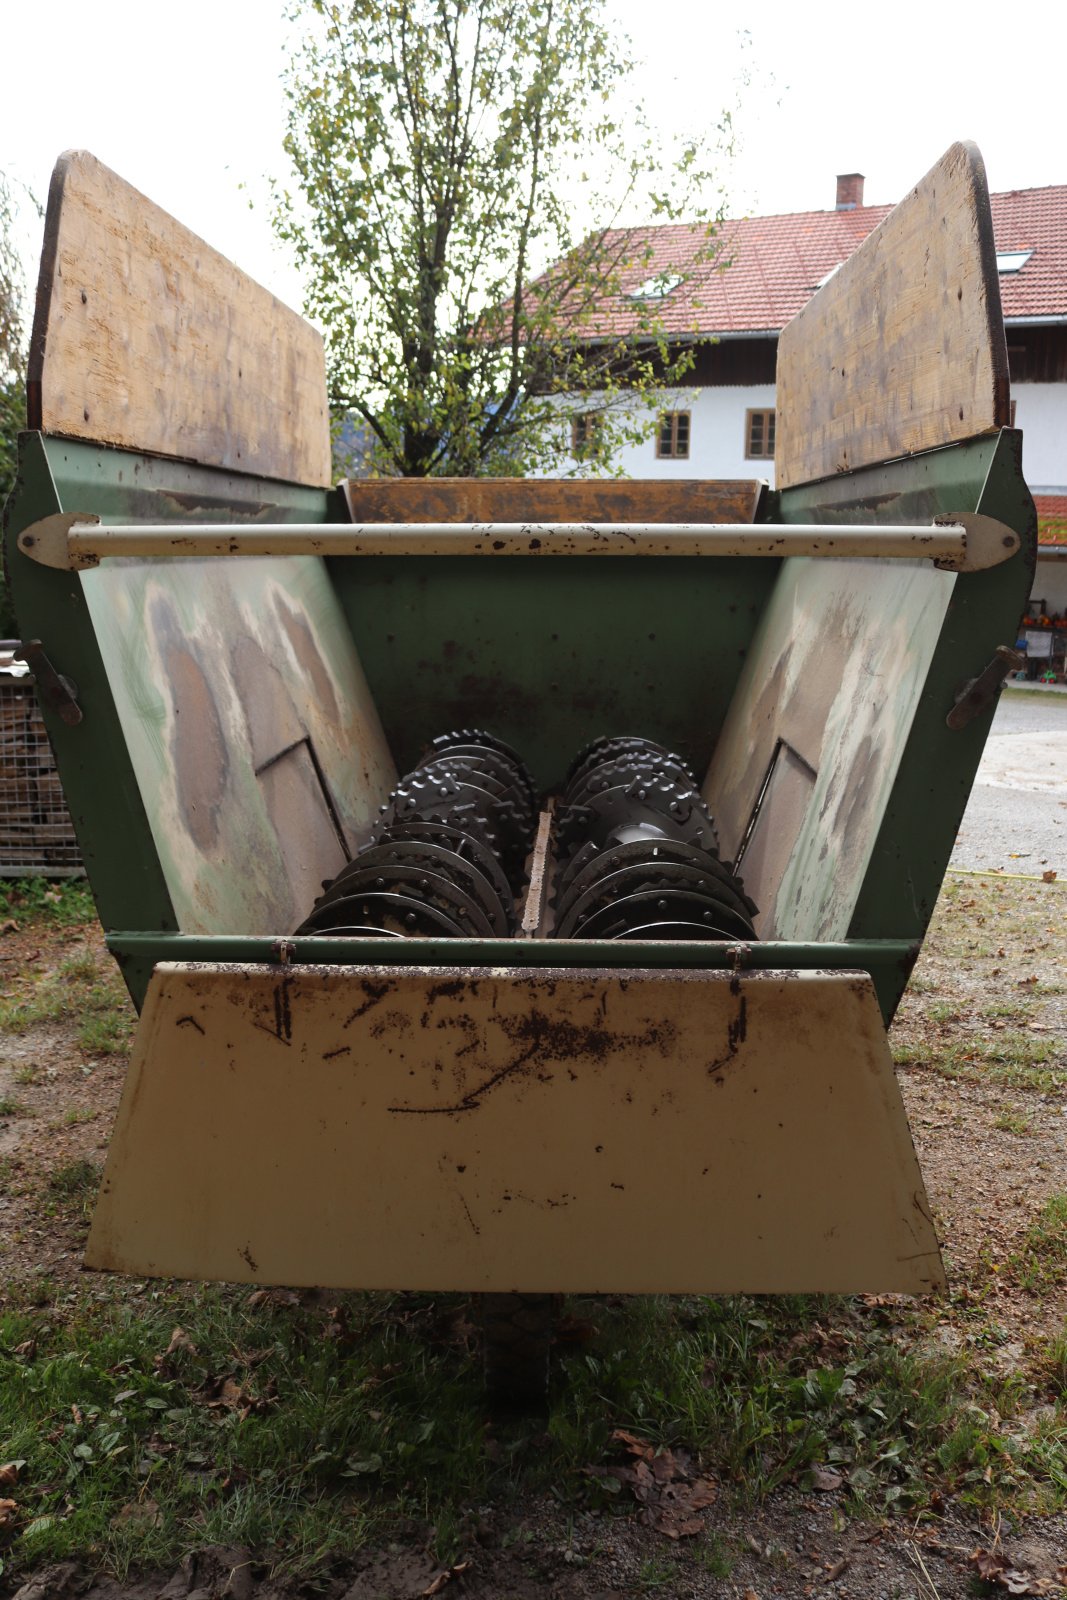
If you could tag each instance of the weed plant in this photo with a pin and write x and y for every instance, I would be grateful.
(153, 1421)
(76, 988)
(64, 903)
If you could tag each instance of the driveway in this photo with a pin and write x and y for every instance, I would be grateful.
(1016, 820)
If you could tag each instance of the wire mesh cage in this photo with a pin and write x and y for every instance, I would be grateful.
(36, 833)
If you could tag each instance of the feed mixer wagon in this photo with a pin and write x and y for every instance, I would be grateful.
(490, 859)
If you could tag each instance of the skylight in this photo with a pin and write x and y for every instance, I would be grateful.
(657, 288)
(1012, 260)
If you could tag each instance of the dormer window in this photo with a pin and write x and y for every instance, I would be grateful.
(656, 288)
(1012, 260)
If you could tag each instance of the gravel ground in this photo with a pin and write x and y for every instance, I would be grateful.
(1017, 817)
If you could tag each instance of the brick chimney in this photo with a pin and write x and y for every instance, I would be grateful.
(849, 190)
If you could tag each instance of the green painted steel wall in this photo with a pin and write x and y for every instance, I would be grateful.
(110, 803)
(549, 653)
(935, 773)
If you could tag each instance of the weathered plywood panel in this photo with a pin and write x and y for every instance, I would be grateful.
(506, 1129)
(834, 673)
(255, 744)
(146, 338)
(552, 500)
(904, 348)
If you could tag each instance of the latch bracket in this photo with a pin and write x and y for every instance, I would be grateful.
(982, 692)
(59, 693)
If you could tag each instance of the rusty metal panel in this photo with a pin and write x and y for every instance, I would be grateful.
(253, 737)
(503, 1128)
(835, 674)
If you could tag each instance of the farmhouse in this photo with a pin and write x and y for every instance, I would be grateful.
(721, 422)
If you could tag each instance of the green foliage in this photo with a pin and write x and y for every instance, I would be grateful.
(1042, 1265)
(12, 421)
(460, 168)
(303, 1430)
(73, 1187)
(12, 388)
(62, 903)
(76, 989)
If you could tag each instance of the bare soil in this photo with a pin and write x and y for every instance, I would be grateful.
(982, 1043)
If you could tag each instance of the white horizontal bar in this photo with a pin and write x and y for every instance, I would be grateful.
(966, 543)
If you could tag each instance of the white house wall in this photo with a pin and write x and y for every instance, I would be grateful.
(1041, 412)
(716, 436)
(1050, 581)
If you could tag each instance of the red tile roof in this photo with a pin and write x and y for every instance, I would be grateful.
(776, 263)
(1051, 520)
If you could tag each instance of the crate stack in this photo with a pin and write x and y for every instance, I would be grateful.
(36, 833)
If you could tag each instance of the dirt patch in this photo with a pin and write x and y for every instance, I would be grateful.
(796, 1547)
(59, 1100)
(981, 1045)
(981, 1042)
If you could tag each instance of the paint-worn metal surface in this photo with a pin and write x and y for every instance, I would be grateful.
(498, 1129)
(552, 653)
(820, 715)
(936, 769)
(230, 755)
(603, 1116)
(250, 728)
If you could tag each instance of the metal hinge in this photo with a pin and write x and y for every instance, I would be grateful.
(982, 692)
(59, 693)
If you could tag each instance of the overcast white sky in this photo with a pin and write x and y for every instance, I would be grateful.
(185, 101)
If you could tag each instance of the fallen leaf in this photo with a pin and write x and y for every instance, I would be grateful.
(1049, 876)
(231, 1393)
(571, 1331)
(10, 926)
(438, 1581)
(179, 1340)
(666, 1484)
(9, 1472)
(141, 1513)
(272, 1297)
(664, 1467)
(834, 1572)
(824, 1480)
(166, 1363)
(992, 1566)
(636, 1446)
(339, 1325)
(8, 1512)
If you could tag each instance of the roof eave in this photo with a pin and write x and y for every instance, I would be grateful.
(684, 338)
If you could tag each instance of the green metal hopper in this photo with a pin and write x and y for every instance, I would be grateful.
(236, 659)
